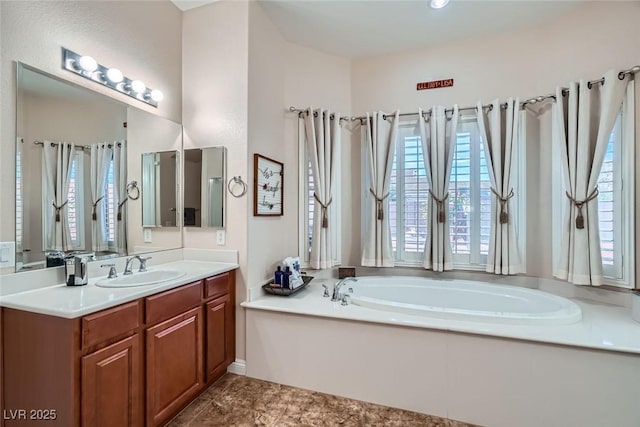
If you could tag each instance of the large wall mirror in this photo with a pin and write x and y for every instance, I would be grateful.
(204, 183)
(74, 167)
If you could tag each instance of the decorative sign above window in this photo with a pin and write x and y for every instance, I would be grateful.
(268, 177)
(436, 84)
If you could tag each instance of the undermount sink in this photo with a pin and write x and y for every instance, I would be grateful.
(151, 277)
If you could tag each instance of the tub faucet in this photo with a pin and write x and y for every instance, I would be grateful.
(129, 264)
(336, 289)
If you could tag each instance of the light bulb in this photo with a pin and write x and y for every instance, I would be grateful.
(114, 75)
(138, 86)
(157, 95)
(439, 4)
(88, 64)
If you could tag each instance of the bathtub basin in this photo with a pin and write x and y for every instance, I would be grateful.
(464, 300)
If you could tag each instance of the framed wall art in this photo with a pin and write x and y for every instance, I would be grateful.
(268, 179)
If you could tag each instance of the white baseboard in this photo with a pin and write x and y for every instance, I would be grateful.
(239, 367)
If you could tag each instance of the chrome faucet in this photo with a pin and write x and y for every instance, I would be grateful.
(75, 267)
(336, 289)
(129, 264)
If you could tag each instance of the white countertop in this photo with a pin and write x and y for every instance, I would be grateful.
(603, 326)
(75, 301)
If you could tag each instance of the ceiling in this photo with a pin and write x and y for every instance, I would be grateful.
(359, 28)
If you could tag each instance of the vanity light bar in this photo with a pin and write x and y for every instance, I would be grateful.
(113, 78)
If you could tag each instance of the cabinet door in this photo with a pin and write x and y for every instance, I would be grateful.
(112, 385)
(174, 365)
(218, 318)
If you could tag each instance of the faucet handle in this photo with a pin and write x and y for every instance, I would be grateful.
(345, 299)
(143, 264)
(326, 291)
(112, 270)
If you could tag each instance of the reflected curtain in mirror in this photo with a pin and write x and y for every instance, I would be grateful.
(59, 168)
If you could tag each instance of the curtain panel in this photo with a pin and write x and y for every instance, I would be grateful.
(381, 133)
(322, 135)
(499, 132)
(120, 189)
(438, 136)
(583, 118)
(58, 161)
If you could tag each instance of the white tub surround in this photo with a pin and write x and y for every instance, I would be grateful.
(464, 300)
(635, 306)
(480, 372)
(75, 301)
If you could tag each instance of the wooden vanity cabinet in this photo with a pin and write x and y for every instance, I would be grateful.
(136, 364)
(174, 349)
(220, 316)
(111, 388)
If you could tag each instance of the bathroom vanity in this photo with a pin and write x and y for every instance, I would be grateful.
(135, 363)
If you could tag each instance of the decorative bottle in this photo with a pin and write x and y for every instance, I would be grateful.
(286, 275)
(278, 277)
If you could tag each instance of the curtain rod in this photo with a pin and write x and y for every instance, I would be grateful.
(80, 147)
(621, 75)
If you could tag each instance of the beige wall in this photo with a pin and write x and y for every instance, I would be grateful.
(581, 44)
(215, 64)
(143, 39)
(283, 74)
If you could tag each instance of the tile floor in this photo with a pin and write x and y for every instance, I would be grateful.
(236, 400)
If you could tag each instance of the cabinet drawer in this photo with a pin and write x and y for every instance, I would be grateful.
(217, 285)
(163, 306)
(116, 321)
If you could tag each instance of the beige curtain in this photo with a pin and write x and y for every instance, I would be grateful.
(322, 134)
(120, 185)
(438, 135)
(499, 132)
(583, 119)
(381, 132)
(58, 161)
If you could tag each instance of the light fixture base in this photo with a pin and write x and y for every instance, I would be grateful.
(70, 62)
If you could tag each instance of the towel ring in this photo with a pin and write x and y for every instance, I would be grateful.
(131, 187)
(237, 180)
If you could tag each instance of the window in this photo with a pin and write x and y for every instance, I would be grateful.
(615, 201)
(469, 198)
(19, 197)
(408, 198)
(111, 207)
(75, 201)
(307, 204)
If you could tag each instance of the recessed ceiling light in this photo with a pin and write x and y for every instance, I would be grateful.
(439, 4)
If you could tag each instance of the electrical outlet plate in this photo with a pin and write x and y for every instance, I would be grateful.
(7, 254)
(220, 237)
(147, 235)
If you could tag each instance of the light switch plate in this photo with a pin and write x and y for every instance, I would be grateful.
(220, 237)
(7, 254)
(147, 235)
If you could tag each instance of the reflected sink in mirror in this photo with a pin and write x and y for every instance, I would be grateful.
(152, 277)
